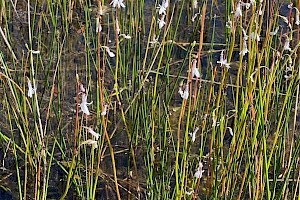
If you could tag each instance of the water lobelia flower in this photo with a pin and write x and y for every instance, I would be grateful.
(252, 75)
(91, 131)
(154, 39)
(84, 104)
(194, 17)
(195, 71)
(199, 172)
(214, 119)
(223, 61)
(91, 142)
(287, 45)
(189, 192)
(230, 131)
(165, 3)
(100, 9)
(111, 54)
(103, 113)
(297, 16)
(185, 93)
(81, 88)
(287, 77)
(252, 36)
(98, 25)
(161, 22)
(229, 24)
(117, 26)
(260, 9)
(247, 5)
(195, 4)
(180, 91)
(163, 7)
(275, 31)
(193, 135)
(128, 37)
(161, 10)
(238, 11)
(245, 36)
(284, 18)
(118, 3)
(31, 90)
(245, 48)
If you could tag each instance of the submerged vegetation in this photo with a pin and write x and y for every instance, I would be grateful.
(145, 99)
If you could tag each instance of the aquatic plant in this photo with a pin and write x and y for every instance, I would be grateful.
(189, 99)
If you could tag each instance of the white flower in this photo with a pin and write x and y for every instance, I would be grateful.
(195, 4)
(285, 19)
(229, 24)
(117, 27)
(126, 36)
(252, 36)
(287, 77)
(189, 193)
(238, 11)
(98, 25)
(154, 40)
(214, 119)
(275, 31)
(118, 3)
(223, 61)
(193, 135)
(195, 71)
(245, 36)
(111, 54)
(163, 7)
(91, 131)
(31, 90)
(230, 131)
(161, 22)
(84, 104)
(81, 88)
(165, 3)
(247, 5)
(35, 51)
(180, 91)
(100, 9)
(257, 37)
(91, 142)
(245, 48)
(252, 75)
(161, 10)
(194, 17)
(260, 9)
(199, 172)
(104, 110)
(297, 22)
(185, 94)
(287, 45)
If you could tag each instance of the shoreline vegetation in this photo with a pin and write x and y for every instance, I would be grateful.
(149, 99)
